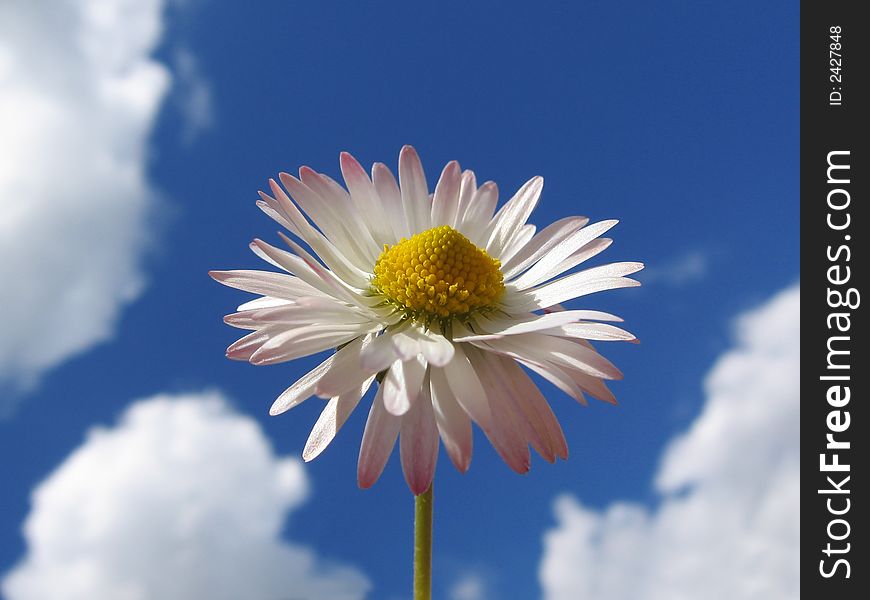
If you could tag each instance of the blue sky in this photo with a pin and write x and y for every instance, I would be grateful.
(679, 119)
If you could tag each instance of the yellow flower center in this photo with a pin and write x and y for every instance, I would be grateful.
(438, 273)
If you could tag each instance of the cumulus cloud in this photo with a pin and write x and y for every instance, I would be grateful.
(727, 526)
(79, 94)
(182, 499)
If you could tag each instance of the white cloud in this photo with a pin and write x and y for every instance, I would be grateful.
(79, 94)
(471, 586)
(681, 270)
(182, 499)
(193, 95)
(727, 526)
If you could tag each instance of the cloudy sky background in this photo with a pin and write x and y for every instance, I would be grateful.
(138, 463)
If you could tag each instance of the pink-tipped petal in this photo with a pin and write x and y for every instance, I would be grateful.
(302, 341)
(504, 432)
(379, 437)
(445, 202)
(366, 199)
(267, 283)
(453, 422)
(467, 189)
(467, 388)
(418, 444)
(415, 193)
(391, 199)
(244, 348)
(536, 411)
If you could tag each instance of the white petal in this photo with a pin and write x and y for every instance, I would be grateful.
(264, 302)
(453, 422)
(518, 242)
(302, 312)
(547, 267)
(346, 371)
(337, 410)
(350, 267)
(301, 390)
(415, 193)
(467, 189)
(536, 413)
(381, 431)
(589, 315)
(540, 347)
(369, 205)
(413, 340)
(316, 208)
(402, 385)
(592, 385)
(418, 444)
(406, 344)
(279, 285)
(540, 244)
(557, 376)
(541, 365)
(244, 348)
(339, 288)
(592, 331)
(445, 202)
(359, 236)
(504, 431)
(273, 209)
(479, 213)
(588, 251)
(466, 387)
(391, 199)
(302, 341)
(572, 286)
(318, 278)
(264, 256)
(380, 353)
(513, 215)
(494, 326)
(525, 424)
(435, 348)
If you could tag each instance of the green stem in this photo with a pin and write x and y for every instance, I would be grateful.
(423, 545)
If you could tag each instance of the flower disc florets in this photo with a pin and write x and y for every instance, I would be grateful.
(438, 274)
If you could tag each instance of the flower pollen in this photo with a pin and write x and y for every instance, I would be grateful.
(437, 274)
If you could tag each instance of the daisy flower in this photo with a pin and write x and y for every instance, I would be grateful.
(440, 299)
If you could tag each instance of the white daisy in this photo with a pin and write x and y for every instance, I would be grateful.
(439, 299)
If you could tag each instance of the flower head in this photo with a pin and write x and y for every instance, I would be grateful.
(438, 298)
